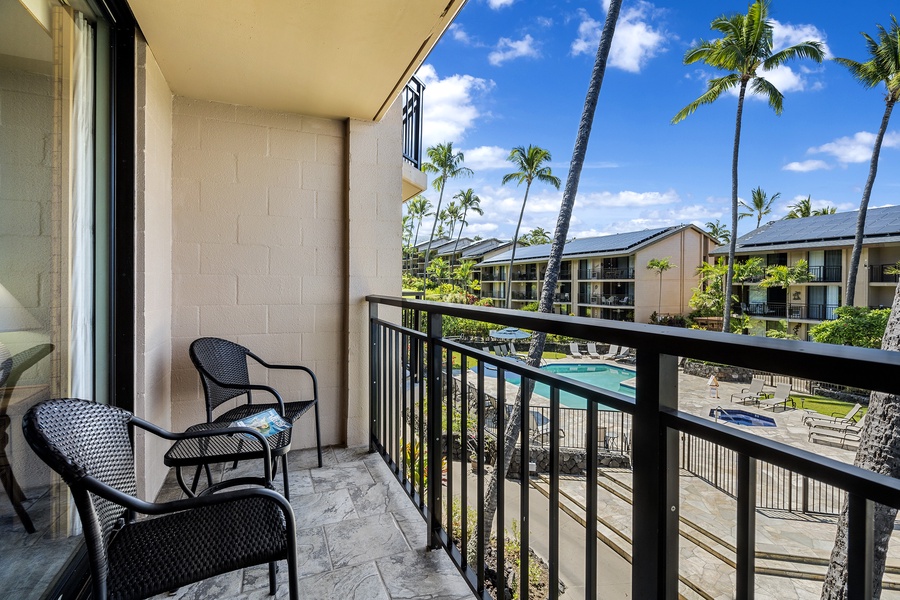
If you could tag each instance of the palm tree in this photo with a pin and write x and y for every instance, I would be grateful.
(882, 67)
(878, 440)
(418, 208)
(535, 237)
(744, 49)
(448, 163)
(760, 205)
(467, 201)
(660, 265)
(530, 162)
(801, 209)
(536, 348)
(826, 210)
(719, 231)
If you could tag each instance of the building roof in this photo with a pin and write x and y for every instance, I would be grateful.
(447, 249)
(479, 248)
(607, 245)
(423, 245)
(824, 231)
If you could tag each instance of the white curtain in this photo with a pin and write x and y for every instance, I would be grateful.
(81, 275)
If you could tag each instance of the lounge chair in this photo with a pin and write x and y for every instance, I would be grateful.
(539, 428)
(501, 350)
(574, 352)
(848, 419)
(837, 432)
(592, 350)
(752, 393)
(781, 396)
(626, 355)
(612, 354)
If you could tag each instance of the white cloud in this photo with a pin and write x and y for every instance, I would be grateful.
(856, 148)
(498, 4)
(459, 34)
(784, 35)
(785, 78)
(629, 199)
(508, 49)
(484, 158)
(636, 40)
(805, 166)
(545, 21)
(451, 107)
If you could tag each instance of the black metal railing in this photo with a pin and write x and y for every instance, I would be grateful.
(792, 310)
(428, 434)
(411, 98)
(825, 273)
(880, 274)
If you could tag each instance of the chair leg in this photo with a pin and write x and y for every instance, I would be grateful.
(318, 435)
(284, 475)
(272, 583)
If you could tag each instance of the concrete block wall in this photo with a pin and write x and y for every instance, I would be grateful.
(153, 264)
(258, 256)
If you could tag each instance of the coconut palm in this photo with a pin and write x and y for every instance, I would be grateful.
(418, 208)
(660, 265)
(443, 160)
(745, 51)
(826, 210)
(467, 201)
(530, 162)
(719, 231)
(536, 348)
(882, 67)
(800, 209)
(760, 205)
(535, 237)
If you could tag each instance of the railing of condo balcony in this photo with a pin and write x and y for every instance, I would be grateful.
(879, 274)
(782, 310)
(413, 418)
(607, 273)
(411, 98)
(825, 273)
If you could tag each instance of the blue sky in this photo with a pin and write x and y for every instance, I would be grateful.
(515, 72)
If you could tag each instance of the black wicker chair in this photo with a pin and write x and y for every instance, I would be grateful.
(223, 369)
(189, 540)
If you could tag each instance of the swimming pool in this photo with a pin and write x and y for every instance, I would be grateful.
(741, 417)
(607, 377)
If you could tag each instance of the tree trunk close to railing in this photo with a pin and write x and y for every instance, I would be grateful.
(879, 451)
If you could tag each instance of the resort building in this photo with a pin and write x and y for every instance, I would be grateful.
(825, 242)
(452, 251)
(606, 277)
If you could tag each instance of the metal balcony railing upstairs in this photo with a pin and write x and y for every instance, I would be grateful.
(418, 416)
(411, 99)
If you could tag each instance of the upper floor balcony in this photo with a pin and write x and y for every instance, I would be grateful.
(414, 179)
(830, 273)
(880, 274)
(606, 273)
(790, 310)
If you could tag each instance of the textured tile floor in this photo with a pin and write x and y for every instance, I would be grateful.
(358, 535)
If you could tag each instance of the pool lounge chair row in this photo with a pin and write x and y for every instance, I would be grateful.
(766, 399)
(623, 354)
(836, 429)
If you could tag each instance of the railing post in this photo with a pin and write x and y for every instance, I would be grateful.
(433, 428)
(805, 495)
(373, 372)
(746, 528)
(655, 509)
(860, 546)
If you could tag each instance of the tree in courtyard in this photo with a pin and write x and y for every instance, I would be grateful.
(418, 207)
(530, 162)
(879, 451)
(463, 275)
(660, 265)
(882, 67)
(454, 214)
(784, 276)
(759, 206)
(719, 231)
(853, 326)
(467, 201)
(446, 162)
(802, 208)
(709, 296)
(745, 49)
(551, 276)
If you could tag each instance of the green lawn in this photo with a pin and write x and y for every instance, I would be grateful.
(826, 406)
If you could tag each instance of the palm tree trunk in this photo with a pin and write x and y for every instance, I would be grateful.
(732, 244)
(659, 298)
(879, 451)
(512, 257)
(431, 239)
(850, 292)
(536, 349)
(462, 223)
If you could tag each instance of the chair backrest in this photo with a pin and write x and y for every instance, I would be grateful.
(851, 414)
(573, 348)
(591, 348)
(220, 360)
(862, 421)
(782, 391)
(756, 385)
(77, 438)
(512, 348)
(613, 351)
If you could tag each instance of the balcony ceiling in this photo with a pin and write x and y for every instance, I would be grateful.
(332, 59)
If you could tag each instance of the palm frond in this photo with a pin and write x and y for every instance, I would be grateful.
(715, 87)
(809, 49)
(764, 87)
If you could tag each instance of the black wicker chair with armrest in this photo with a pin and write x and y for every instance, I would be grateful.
(188, 540)
(223, 369)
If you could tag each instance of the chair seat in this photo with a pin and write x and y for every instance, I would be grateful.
(293, 411)
(157, 555)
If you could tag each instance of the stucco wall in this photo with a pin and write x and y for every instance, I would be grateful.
(153, 260)
(258, 253)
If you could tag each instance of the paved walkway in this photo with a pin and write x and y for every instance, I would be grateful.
(359, 537)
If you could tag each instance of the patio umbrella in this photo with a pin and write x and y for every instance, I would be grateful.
(509, 333)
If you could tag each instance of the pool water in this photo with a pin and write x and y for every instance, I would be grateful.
(741, 417)
(607, 377)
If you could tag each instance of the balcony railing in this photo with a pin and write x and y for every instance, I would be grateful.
(412, 122)
(879, 274)
(825, 273)
(416, 395)
(617, 273)
(781, 310)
